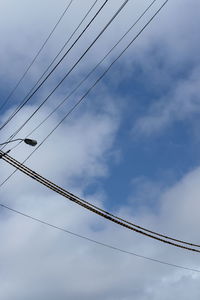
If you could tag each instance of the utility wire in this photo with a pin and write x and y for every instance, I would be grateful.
(93, 208)
(93, 86)
(91, 72)
(25, 101)
(109, 213)
(82, 98)
(65, 44)
(72, 68)
(95, 241)
(36, 56)
(62, 48)
(72, 197)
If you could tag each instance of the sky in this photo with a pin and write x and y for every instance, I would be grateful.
(131, 147)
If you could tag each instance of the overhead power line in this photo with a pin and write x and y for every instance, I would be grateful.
(92, 71)
(63, 47)
(79, 102)
(72, 68)
(82, 98)
(26, 100)
(36, 56)
(52, 62)
(105, 214)
(95, 241)
(91, 88)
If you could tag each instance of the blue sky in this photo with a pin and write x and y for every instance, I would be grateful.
(132, 147)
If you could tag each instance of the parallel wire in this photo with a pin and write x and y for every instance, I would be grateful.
(90, 89)
(26, 100)
(98, 212)
(92, 71)
(36, 56)
(95, 241)
(82, 98)
(89, 206)
(93, 86)
(60, 51)
(72, 68)
(108, 217)
(73, 108)
(94, 206)
(63, 47)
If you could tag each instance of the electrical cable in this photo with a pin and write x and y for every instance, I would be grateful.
(73, 108)
(115, 60)
(91, 72)
(65, 44)
(83, 97)
(95, 241)
(63, 47)
(26, 100)
(98, 243)
(95, 83)
(92, 207)
(35, 57)
(72, 68)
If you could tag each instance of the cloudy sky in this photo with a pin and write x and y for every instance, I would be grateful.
(131, 147)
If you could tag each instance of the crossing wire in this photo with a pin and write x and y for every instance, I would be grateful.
(91, 88)
(65, 44)
(25, 101)
(112, 63)
(86, 93)
(71, 69)
(36, 56)
(95, 241)
(93, 208)
(92, 71)
(102, 243)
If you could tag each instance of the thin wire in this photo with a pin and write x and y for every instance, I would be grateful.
(73, 108)
(104, 73)
(25, 101)
(91, 72)
(78, 200)
(66, 43)
(72, 68)
(97, 81)
(94, 209)
(36, 56)
(79, 102)
(95, 241)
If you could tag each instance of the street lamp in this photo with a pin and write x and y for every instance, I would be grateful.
(27, 141)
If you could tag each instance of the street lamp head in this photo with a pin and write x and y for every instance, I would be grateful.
(30, 142)
(27, 141)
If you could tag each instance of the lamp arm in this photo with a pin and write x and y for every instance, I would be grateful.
(11, 141)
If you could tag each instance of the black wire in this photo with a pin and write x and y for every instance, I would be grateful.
(95, 209)
(82, 98)
(62, 48)
(36, 56)
(98, 80)
(95, 241)
(66, 43)
(82, 236)
(119, 56)
(91, 72)
(85, 96)
(72, 68)
(25, 101)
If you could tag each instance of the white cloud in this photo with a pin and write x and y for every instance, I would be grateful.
(181, 103)
(40, 263)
